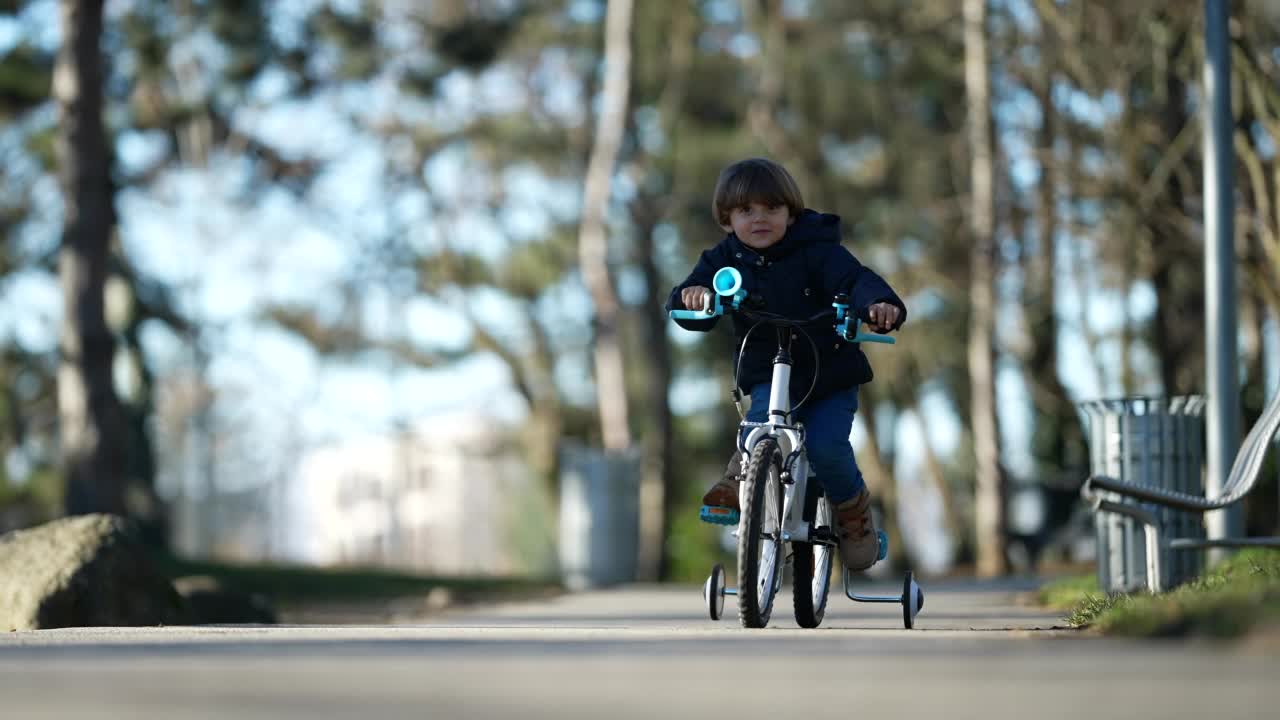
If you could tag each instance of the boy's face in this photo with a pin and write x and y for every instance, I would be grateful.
(758, 226)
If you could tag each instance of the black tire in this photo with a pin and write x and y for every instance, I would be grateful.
(908, 618)
(761, 514)
(714, 592)
(810, 584)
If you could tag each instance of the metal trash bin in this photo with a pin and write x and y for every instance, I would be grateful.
(599, 516)
(1147, 441)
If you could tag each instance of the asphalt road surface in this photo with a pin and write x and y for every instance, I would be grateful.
(641, 653)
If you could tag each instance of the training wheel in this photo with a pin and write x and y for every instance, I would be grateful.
(912, 600)
(713, 592)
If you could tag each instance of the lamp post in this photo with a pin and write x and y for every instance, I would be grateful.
(1222, 383)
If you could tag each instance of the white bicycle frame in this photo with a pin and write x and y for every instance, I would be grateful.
(794, 527)
(789, 437)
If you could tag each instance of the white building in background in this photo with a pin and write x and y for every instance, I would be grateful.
(454, 497)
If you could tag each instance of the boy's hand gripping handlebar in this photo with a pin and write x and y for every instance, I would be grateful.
(843, 316)
(727, 284)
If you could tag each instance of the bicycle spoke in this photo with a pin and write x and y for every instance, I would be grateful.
(773, 535)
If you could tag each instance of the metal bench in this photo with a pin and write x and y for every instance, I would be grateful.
(1245, 471)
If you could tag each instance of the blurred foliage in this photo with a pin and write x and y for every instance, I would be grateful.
(692, 545)
(1097, 193)
(474, 43)
(25, 74)
(355, 38)
(37, 499)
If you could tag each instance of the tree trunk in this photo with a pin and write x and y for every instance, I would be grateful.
(657, 497)
(137, 408)
(546, 413)
(933, 469)
(1178, 276)
(90, 417)
(989, 500)
(593, 244)
(1057, 440)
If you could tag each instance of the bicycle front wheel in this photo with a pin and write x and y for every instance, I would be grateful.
(760, 535)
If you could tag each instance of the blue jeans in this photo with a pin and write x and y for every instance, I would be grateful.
(827, 423)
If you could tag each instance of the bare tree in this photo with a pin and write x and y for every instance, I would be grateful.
(1057, 441)
(989, 498)
(593, 245)
(91, 420)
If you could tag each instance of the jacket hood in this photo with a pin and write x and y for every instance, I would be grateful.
(810, 227)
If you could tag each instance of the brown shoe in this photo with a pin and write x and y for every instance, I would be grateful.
(725, 492)
(859, 545)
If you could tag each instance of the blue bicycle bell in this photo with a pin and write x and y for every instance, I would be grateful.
(727, 281)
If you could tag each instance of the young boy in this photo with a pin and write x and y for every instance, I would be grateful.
(791, 259)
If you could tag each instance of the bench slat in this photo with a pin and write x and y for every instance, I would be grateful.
(1244, 474)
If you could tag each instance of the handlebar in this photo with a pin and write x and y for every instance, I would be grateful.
(730, 286)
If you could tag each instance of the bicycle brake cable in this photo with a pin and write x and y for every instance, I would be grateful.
(737, 369)
(817, 365)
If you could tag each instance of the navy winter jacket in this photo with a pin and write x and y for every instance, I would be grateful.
(797, 277)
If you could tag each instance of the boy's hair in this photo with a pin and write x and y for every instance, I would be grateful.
(755, 180)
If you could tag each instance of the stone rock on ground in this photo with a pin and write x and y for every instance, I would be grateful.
(82, 571)
(212, 601)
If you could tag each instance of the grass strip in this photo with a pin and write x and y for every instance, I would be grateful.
(1227, 601)
(1065, 593)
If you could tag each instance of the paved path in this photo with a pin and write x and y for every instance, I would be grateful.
(638, 653)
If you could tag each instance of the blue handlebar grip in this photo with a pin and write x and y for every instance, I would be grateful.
(691, 315)
(861, 337)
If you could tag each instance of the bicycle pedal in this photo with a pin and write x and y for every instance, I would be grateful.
(883, 550)
(719, 515)
(823, 534)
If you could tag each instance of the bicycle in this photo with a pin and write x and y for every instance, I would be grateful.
(779, 505)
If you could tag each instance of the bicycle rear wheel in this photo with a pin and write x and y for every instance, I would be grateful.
(760, 535)
(811, 570)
